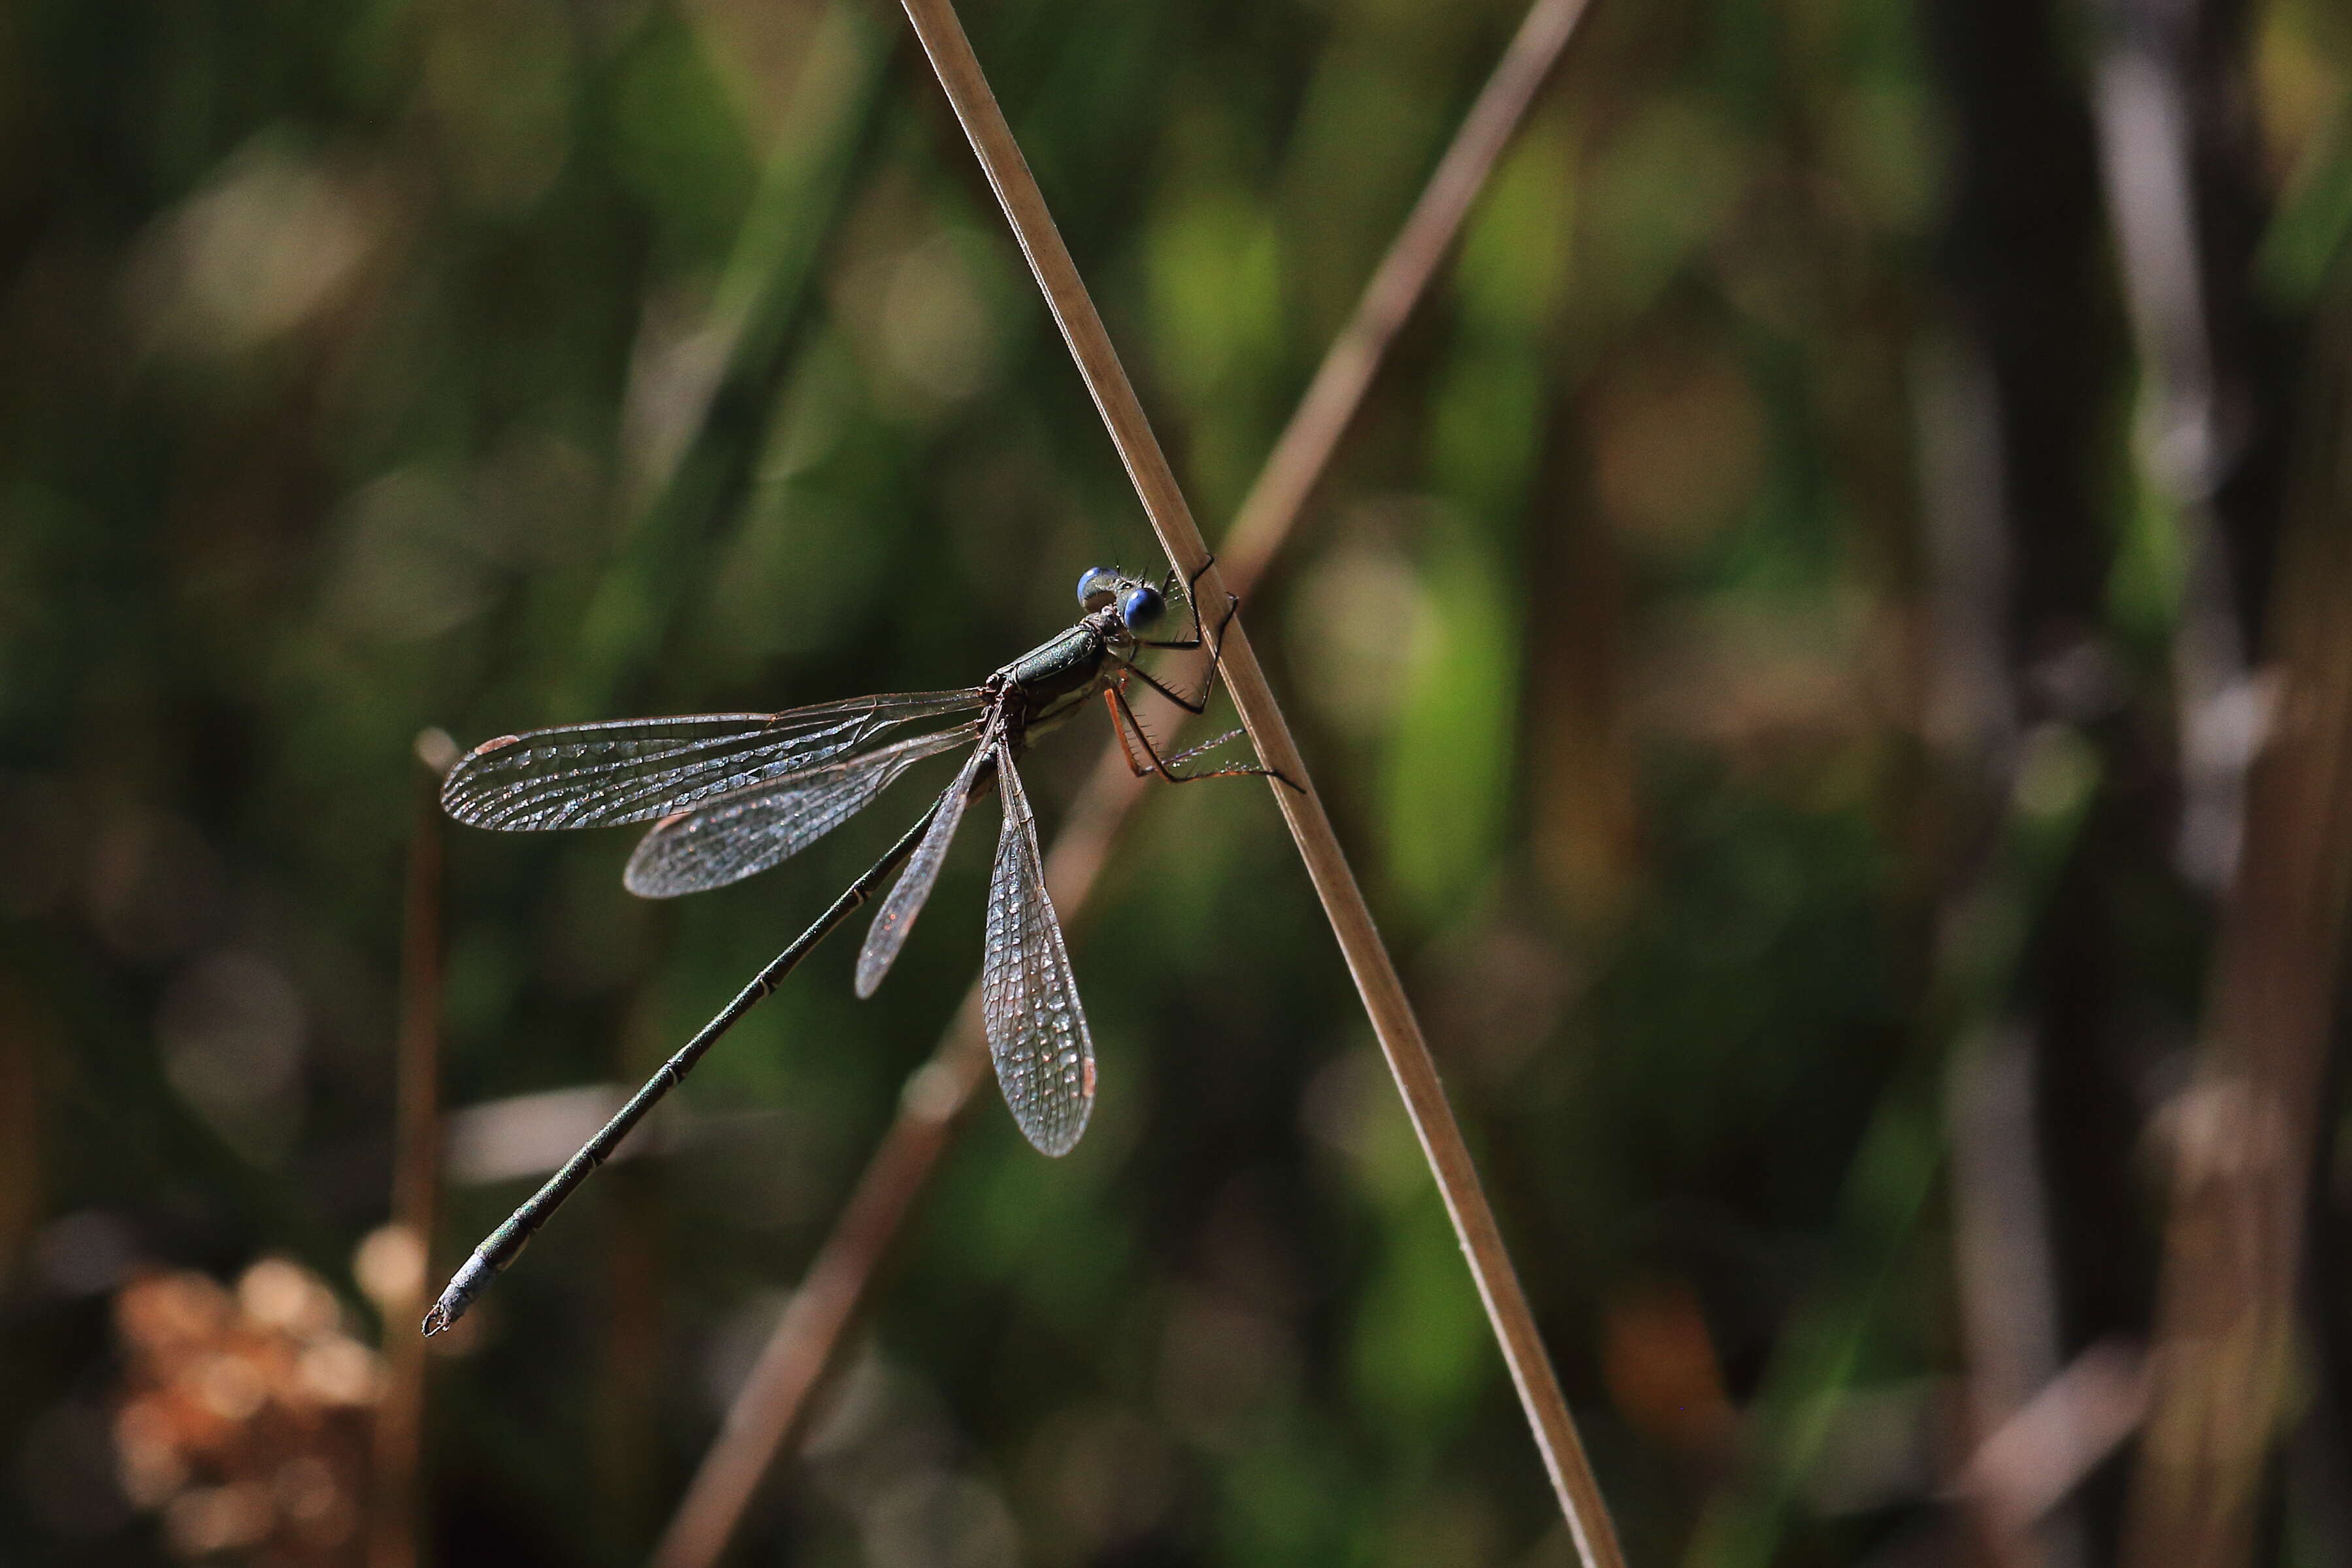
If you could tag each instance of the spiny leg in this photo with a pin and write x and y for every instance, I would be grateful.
(1197, 640)
(1195, 707)
(1115, 696)
(1126, 749)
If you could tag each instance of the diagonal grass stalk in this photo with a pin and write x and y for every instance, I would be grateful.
(1377, 983)
(807, 1340)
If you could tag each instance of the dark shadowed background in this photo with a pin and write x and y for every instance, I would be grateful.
(1783, 645)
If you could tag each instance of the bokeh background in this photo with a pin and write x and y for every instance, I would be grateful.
(1782, 645)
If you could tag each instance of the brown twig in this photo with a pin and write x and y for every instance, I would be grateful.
(1330, 405)
(2241, 1137)
(809, 1335)
(1377, 984)
(394, 1498)
(2030, 1464)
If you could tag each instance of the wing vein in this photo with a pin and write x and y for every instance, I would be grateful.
(745, 832)
(638, 770)
(1036, 1030)
(896, 916)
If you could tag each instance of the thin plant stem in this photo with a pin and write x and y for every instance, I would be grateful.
(1299, 458)
(1377, 983)
(1890, 1182)
(809, 1335)
(817, 1320)
(2241, 1136)
(396, 1496)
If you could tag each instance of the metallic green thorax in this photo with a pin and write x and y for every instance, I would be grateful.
(1071, 661)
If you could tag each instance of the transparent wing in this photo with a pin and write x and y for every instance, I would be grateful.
(1028, 993)
(636, 770)
(736, 836)
(887, 934)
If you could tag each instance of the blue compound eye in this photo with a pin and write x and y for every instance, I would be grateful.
(1096, 587)
(1141, 608)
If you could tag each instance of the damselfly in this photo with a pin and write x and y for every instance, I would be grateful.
(733, 793)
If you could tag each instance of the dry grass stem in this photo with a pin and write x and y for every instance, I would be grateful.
(1377, 983)
(1324, 414)
(395, 1500)
(2029, 1465)
(2240, 1138)
(809, 1335)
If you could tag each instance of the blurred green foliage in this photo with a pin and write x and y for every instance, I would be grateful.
(373, 364)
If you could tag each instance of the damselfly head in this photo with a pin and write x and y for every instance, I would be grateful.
(1097, 586)
(1141, 607)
